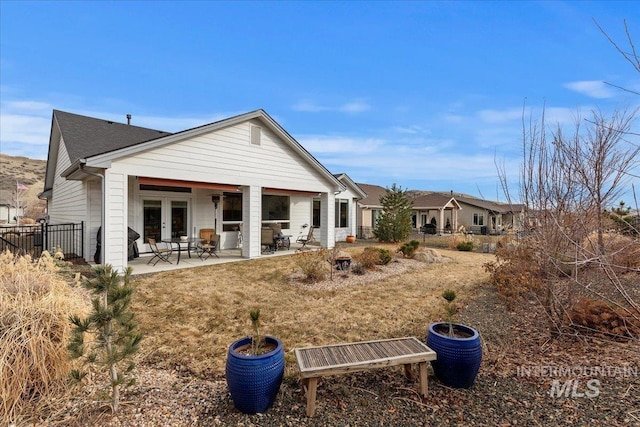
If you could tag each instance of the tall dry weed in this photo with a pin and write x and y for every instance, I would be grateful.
(313, 265)
(35, 304)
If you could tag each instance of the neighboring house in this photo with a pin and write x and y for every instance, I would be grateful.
(448, 211)
(345, 208)
(437, 209)
(487, 217)
(426, 209)
(369, 209)
(8, 213)
(235, 174)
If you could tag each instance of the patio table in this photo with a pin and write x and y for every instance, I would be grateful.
(183, 245)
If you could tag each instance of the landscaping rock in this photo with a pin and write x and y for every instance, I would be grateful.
(430, 256)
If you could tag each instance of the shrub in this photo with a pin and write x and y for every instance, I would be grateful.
(515, 273)
(112, 324)
(465, 246)
(600, 316)
(35, 305)
(394, 223)
(357, 269)
(384, 254)
(313, 265)
(408, 249)
(368, 258)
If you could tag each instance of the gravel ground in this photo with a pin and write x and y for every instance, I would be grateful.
(503, 395)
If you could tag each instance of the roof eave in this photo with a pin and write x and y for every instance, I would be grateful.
(104, 160)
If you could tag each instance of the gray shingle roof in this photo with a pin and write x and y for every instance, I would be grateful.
(489, 205)
(374, 193)
(431, 200)
(87, 136)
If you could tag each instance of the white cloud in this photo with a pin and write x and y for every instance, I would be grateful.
(592, 88)
(352, 107)
(453, 118)
(24, 129)
(308, 107)
(500, 116)
(411, 130)
(340, 144)
(29, 107)
(560, 115)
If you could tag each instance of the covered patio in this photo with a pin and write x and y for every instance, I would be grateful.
(141, 265)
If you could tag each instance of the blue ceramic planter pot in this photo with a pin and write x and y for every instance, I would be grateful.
(254, 381)
(458, 358)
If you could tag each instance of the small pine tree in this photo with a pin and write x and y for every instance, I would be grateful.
(449, 296)
(394, 224)
(111, 321)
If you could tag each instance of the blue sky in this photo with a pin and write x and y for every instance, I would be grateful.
(423, 94)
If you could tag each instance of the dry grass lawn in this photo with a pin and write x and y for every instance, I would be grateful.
(189, 317)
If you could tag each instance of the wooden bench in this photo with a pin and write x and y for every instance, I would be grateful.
(316, 362)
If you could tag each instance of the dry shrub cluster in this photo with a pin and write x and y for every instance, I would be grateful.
(313, 265)
(35, 304)
(368, 258)
(623, 252)
(515, 273)
(598, 315)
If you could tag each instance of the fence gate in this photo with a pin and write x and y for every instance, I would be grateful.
(33, 239)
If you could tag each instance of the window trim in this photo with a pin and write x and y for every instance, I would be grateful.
(478, 218)
(338, 213)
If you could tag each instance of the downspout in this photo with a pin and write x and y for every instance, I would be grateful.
(102, 229)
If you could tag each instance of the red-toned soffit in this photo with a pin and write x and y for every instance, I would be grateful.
(192, 184)
(290, 192)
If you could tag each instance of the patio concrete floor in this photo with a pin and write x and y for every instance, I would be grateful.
(141, 266)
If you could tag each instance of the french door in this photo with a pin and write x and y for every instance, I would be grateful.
(165, 218)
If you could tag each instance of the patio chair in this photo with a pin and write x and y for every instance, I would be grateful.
(305, 240)
(208, 246)
(267, 240)
(159, 253)
(281, 241)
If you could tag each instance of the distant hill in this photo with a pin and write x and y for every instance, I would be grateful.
(29, 172)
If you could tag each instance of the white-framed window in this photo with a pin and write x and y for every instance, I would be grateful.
(231, 211)
(478, 219)
(276, 209)
(316, 213)
(342, 213)
(375, 216)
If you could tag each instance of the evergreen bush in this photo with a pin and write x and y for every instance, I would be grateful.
(112, 324)
(408, 249)
(465, 246)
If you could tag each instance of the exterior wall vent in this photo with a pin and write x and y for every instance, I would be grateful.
(256, 132)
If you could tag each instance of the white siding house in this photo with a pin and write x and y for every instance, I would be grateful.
(346, 208)
(233, 175)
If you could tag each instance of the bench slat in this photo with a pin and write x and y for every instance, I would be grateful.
(348, 357)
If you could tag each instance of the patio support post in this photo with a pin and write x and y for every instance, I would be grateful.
(327, 214)
(441, 222)
(455, 219)
(252, 220)
(115, 208)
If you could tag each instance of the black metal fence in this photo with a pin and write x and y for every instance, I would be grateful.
(33, 239)
(365, 232)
